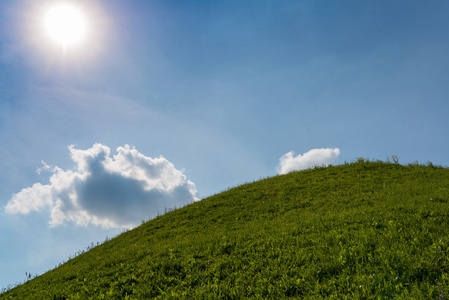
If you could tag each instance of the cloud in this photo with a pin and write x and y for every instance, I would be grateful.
(117, 192)
(288, 162)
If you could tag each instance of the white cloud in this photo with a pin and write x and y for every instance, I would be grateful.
(288, 162)
(110, 192)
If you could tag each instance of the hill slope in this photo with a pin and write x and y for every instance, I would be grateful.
(364, 230)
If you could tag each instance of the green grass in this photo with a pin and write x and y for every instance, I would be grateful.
(365, 230)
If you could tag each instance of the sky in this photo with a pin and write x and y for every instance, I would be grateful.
(165, 102)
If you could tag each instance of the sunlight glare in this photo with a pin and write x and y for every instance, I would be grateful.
(65, 24)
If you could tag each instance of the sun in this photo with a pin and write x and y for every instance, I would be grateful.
(65, 24)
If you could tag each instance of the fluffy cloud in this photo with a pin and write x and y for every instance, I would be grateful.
(288, 162)
(110, 192)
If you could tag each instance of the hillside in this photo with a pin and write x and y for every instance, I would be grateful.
(362, 230)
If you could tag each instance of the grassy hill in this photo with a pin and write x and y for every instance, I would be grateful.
(361, 230)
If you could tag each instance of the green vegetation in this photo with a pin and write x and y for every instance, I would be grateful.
(365, 230)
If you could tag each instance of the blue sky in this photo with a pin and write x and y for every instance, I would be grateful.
(168, 100)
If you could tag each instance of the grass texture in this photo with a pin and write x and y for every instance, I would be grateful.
(362, 230)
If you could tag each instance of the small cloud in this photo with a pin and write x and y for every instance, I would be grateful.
(112, 192)
(44, 167)
(324, 156)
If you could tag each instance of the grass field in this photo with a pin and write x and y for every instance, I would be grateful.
(364, 230)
